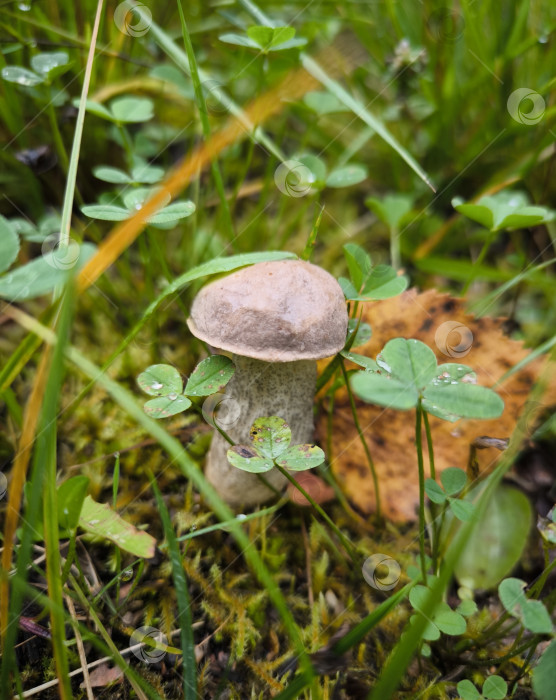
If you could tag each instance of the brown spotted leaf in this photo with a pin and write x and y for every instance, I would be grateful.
(441, 322)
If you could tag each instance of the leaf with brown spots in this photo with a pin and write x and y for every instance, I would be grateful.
(439, 321)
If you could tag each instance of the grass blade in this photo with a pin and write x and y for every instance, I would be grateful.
(182, 595)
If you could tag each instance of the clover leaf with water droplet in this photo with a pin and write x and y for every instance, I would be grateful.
(408, 374)
(165, 383)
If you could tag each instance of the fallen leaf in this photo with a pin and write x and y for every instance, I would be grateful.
(104, 675)
(441, 322)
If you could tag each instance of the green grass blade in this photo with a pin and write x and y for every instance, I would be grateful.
(205, 124)
(334, 87)
(185, 619)
(180, 59)
(191, 471)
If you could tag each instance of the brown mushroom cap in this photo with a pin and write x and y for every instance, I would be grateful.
(273, 311)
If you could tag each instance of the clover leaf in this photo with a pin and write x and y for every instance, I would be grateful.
(408, 374)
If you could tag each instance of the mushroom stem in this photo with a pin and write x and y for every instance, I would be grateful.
(284, 389)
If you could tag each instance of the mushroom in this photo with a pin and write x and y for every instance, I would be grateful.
(276, 318)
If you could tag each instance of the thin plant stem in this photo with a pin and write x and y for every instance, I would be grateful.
(347, 544)
(205, 124)
(419, 445)
(434, 522)
(362, 438)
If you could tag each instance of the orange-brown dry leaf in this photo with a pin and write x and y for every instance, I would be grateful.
(390, 434)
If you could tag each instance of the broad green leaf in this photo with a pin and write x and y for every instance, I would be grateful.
(434, 491)
(100, 520)
(166, 406)
(450, 622)
(348, 289)
(463, 510)
(316, 168)
(467, 608)
(495, 688)
(384, 391)
(453, 480)
(238, 40)
(369, 364)
(467, 690)
(21, 76)
(173, 212)
(95, 108)
(504, 531)
(465, 400)
(511, 592)
(279, 35)
(9, 244)
(160, 380)
(263, 36)
(50, 64)
(391, 209)
(535, 617)
(544, 674)
(301, 457)
(113, 175)
(359, 264)
(411, 361)
(452, 371)
(418, 596)
(135, 197)
(382, 283)
(43, 274)
(148, 174)
(132, 110)
(247, 458)
(106, 212)
(71, 494)
(271, 436)
(346, 176)
(363, 333)
(210, 375)
(481, 214)
(323, 102)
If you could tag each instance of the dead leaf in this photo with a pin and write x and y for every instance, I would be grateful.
(104, 675)
(440, 321)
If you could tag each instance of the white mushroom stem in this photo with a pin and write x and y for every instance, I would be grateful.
(284, 389)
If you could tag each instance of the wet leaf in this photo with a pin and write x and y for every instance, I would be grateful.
(504, 529)
(384, 391)
(301, 457)
(210, 376)
(270, 435)
(71, 494)
(160, 380)
(453, 480)
(465, 400)
(346, 176)
(362, 334)
(166, 406)
(99, 519)
(9, 244)
(247, 458)
(410, 361)
(21, 76)
(544, 674)
(50, 64)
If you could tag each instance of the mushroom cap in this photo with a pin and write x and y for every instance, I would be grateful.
(277, 311)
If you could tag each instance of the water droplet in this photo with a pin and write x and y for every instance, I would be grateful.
(138, 206)
(172, 396)
(241, 516)
(156, 385)
(543, 39)
(24, 7)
